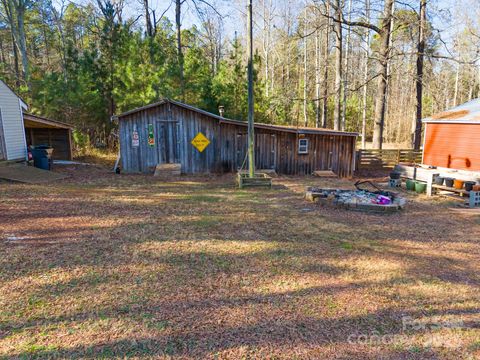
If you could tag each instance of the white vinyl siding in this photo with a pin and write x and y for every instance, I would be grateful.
(12, 122)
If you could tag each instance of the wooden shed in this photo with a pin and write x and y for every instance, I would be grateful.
(452, 138)
(43, 131)
(172, 132)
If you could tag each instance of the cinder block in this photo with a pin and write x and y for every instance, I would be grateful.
(474, 199)
(395, 183)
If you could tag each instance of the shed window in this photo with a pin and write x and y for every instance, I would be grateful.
(303, 146)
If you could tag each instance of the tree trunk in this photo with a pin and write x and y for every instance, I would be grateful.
(148, 20)
(345, 82)
(45, 38)
(22, 43)
(478, 83)
(305, 68)
(325, 69)
(387, 125)
(337, 117)
(2, 52)
(63, 53)
(317, 79)
(178, 23)
(266, 44)
(15, 62)
(15, 15)
(457, 81)
(417, 136)
(272, 72)
(472, 83)
(383, 53)
(365, 76)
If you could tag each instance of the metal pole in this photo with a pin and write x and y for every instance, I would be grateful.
(251, 133)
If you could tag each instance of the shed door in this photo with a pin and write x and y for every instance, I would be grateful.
(168, 140)
(266, 151)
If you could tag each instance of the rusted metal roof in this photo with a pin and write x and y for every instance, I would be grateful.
(465, 113)
(293, 129)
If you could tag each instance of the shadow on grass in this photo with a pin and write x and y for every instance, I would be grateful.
(267, 333)
(300, 246)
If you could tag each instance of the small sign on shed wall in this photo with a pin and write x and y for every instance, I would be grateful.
(200, 142)
(135, 139)
(151, 135)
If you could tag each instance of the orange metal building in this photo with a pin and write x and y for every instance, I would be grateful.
(452, 138)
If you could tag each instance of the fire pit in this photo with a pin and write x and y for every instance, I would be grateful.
(359, 199)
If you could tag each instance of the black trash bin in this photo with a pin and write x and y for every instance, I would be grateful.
(42, 156)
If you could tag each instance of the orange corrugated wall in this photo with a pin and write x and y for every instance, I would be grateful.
(455, 146)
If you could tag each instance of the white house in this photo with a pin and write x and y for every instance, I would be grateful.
(13, 145)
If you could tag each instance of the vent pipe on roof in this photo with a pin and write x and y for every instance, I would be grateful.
(221, 110)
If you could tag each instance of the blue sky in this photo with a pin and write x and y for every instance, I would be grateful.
(233, 10)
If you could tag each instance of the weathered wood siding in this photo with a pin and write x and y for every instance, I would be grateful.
(274, 149)
(59, 139)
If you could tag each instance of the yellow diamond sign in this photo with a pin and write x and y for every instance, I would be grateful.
(200, 142)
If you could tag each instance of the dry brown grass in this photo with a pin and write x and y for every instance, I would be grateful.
(96, 156)
(106, 266)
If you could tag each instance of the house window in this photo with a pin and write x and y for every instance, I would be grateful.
(303, 146)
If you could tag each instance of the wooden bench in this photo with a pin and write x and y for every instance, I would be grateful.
(462, 192)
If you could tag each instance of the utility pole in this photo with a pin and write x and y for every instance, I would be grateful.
(251, 133)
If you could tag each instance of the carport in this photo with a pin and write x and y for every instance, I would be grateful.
(43, 131)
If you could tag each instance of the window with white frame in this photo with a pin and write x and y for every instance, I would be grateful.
(303, 146)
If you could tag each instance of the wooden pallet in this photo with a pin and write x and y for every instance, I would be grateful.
(473, 196)
(325, 174)
(168, 170)
(462, 192)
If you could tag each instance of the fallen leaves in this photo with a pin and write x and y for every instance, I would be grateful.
(101, 265)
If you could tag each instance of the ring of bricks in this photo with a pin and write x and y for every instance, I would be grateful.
(333, 198)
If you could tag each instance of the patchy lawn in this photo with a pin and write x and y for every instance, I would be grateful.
(106, 266)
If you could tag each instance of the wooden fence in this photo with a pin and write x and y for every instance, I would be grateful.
(385, 159)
